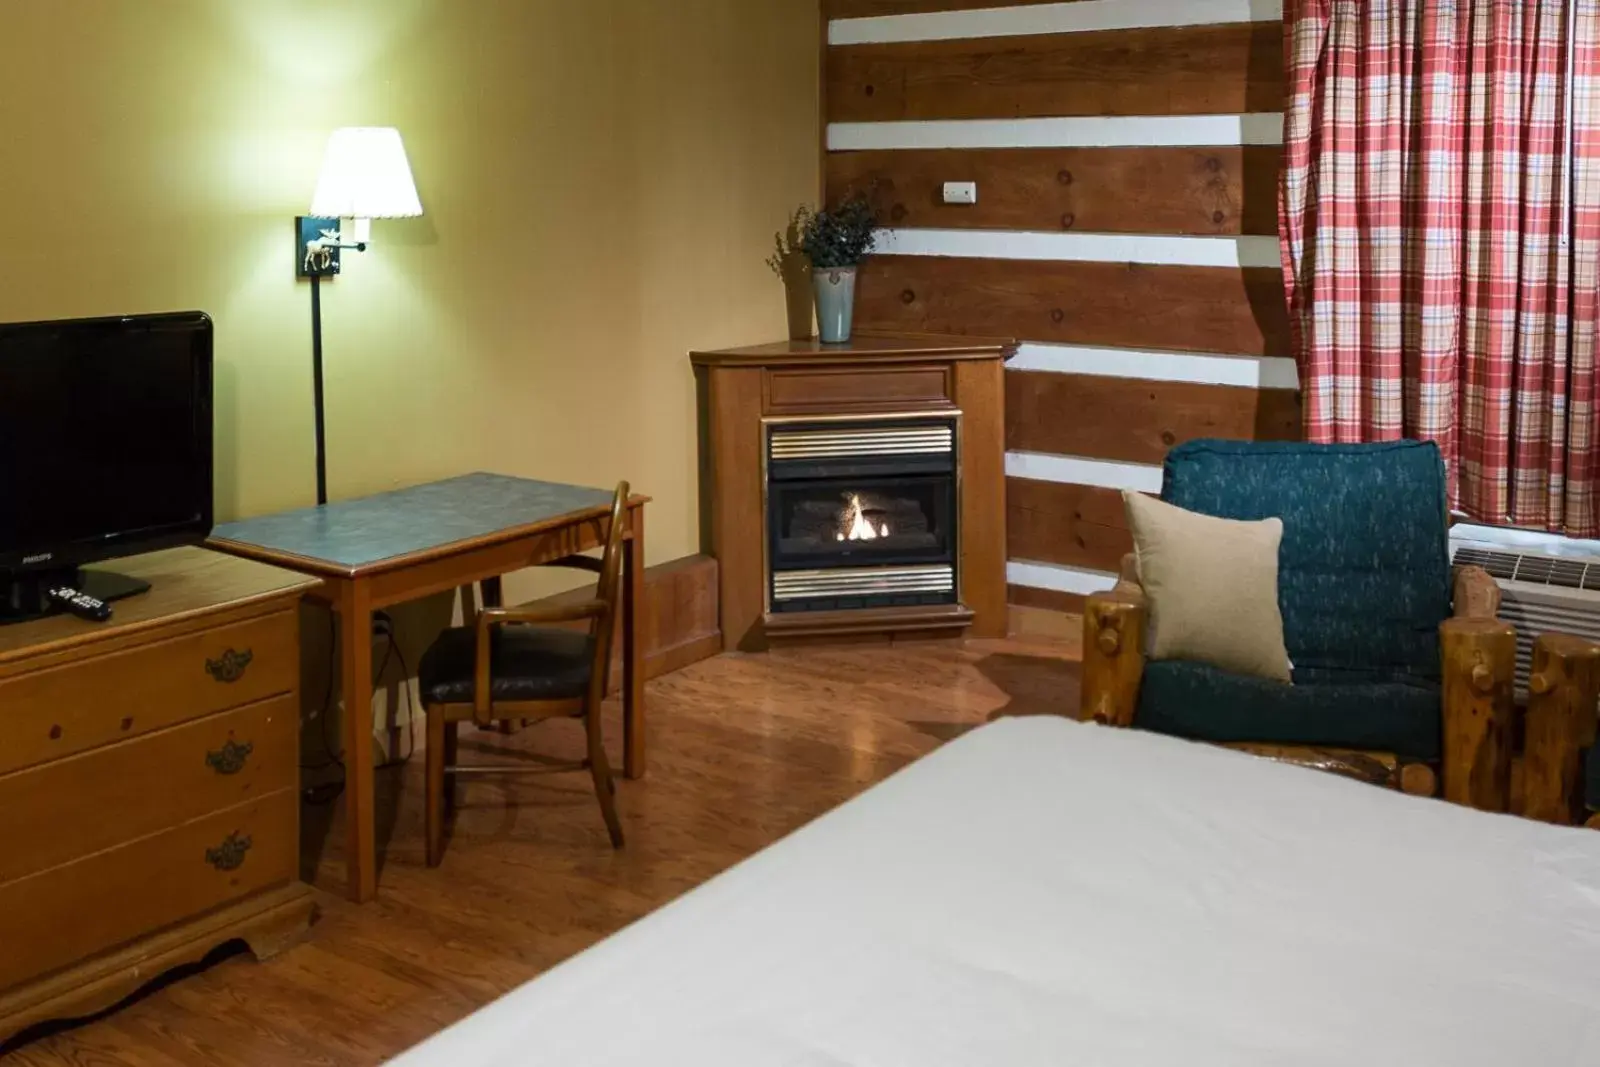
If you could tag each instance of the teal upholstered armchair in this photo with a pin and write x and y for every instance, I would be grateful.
(1402, 673)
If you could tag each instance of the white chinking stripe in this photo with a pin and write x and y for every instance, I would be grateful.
(1059, 578)
(1196, 368)
(1137, 131)
(1077, 470)
(1074, 470)
(1084, 15)
(1152, 249)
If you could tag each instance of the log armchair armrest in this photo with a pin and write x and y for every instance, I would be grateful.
(1563, 687)
(1543, 780)
(1478, 666)
(1113, 651)
(1476, 594)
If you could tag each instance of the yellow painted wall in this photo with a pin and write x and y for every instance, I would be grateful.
(601, 180)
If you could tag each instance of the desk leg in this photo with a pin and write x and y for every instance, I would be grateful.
(355, 644)
(633, 649)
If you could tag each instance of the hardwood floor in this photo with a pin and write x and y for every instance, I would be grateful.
(744, 749)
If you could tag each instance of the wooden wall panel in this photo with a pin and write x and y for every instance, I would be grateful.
(1206, 309)
(1093, 190)
(1180, 70)
(851, 9)
(1030, 597)
(1057, 628)
(680, 622)
(1172, 71)
(1137, 421)
(1078, 525)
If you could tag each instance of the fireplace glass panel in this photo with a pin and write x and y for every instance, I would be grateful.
(861, 522)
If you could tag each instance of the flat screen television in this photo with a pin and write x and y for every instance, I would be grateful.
(105, 449)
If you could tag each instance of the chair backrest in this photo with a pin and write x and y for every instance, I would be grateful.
(609, 586)
(1364, 567)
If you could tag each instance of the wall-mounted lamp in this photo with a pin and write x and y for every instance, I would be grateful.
(365, 176)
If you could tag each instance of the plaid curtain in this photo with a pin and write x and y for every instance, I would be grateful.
(1430, 243)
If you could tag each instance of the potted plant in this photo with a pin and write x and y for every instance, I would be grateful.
(834, 241)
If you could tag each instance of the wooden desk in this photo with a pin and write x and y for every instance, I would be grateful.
(394, 547)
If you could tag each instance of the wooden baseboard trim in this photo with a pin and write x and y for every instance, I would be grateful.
(1044, 623)
(680, 614)
(948, 620)
(1028, 596)
(687, 654)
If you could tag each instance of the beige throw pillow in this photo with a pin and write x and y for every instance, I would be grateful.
(1212, 586)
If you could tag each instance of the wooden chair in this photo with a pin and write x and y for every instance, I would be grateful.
(510, 665)
(1403, 674)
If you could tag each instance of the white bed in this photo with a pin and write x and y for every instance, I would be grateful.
(1041, 892)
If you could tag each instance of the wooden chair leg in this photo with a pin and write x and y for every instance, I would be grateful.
(600, 770)
(1563, 685)
(435, 791)
(452, 782)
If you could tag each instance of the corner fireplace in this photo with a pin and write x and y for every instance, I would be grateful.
(861, 513)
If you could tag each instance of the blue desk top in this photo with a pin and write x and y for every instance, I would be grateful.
(348, 535)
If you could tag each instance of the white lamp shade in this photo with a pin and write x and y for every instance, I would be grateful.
(365, 175)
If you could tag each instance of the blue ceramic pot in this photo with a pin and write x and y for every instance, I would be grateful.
(836, 302)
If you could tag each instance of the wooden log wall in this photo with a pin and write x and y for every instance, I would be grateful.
(1126, 154)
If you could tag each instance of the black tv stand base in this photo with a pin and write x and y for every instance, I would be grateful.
(22, 598)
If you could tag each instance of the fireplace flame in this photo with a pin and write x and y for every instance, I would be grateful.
(854, 525)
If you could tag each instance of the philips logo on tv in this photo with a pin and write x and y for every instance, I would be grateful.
(43, 557)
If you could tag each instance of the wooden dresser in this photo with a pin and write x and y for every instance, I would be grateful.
(149, 773)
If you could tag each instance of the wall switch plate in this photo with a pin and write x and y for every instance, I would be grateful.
(961, 192)
(316, 247)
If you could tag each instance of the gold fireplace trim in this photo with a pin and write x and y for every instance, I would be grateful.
(877, 441)
(863, 581)
(771, 425)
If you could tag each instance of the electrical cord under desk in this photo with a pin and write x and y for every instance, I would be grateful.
(328, 792)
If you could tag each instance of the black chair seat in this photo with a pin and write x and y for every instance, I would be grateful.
(525, 663)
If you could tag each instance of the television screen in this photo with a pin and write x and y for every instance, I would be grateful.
(105, 438)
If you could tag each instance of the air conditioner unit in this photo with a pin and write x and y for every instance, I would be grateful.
(1539, 593)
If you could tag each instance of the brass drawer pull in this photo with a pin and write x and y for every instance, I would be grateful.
(230, 758)
(229, 856)
(229, 667)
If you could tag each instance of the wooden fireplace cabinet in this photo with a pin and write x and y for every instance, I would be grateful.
(744, 390)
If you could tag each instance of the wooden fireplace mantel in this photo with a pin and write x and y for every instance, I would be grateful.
(861, 350)
(872, 375)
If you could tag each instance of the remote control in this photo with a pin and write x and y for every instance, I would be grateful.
(82, 605)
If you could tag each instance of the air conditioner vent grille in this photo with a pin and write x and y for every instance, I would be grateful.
(1499, 564)
(1533, 569)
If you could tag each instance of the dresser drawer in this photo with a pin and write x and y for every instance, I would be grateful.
(838, 390)
(56, 813)
(50, 714)
(69, 913)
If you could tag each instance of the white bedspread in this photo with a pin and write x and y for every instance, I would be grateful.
(1041, 892)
